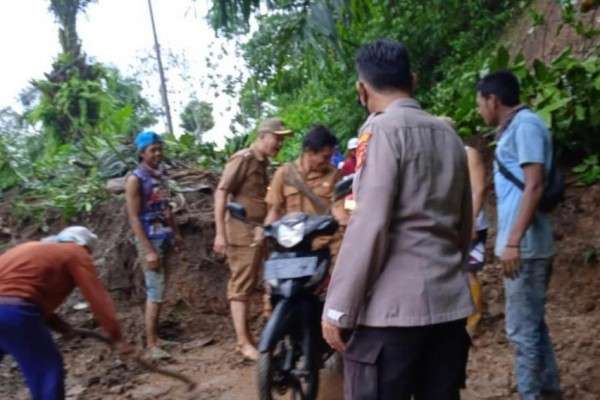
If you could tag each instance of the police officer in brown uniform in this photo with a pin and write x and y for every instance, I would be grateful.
(245, 181)
(400, 286)
(307, 185)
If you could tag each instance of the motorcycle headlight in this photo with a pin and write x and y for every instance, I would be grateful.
(289, 236)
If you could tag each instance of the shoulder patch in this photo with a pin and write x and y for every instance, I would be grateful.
(361, 150)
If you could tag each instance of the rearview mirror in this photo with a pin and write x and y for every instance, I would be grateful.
(343, 187)
(237, 211)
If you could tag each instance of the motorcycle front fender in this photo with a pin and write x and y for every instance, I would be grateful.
(276, 326)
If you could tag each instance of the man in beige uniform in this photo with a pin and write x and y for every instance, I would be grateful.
(402, 289)
(317, 177)
(245, 181)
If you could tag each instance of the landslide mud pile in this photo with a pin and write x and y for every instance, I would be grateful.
(195, 312)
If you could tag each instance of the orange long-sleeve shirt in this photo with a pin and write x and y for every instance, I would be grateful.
(46, 273)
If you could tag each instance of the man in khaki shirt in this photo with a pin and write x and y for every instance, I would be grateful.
(402, 289)
(245, 181)
(318, 175)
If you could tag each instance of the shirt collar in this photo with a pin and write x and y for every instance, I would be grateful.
(504, 124)
(403, 102)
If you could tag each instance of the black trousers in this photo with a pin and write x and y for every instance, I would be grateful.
(420, 363)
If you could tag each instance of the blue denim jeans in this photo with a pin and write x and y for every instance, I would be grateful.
(24, 335)
(535, 364)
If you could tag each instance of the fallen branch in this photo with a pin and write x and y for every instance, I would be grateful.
(191, 385)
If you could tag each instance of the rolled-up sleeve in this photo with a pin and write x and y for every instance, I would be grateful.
(365, 243)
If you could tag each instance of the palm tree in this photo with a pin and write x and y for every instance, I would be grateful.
(65, 12)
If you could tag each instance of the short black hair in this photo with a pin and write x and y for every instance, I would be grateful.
(502, 84)
(318, 138)
(385, 64)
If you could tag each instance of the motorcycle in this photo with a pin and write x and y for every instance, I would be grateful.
(292, 349)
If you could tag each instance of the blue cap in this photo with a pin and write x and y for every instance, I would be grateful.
(146, 138)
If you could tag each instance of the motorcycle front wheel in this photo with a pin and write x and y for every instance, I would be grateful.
(273, 386)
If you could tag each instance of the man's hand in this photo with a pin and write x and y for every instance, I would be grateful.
(220, 245)
(333, 336)
(511, 261)
(152, 260)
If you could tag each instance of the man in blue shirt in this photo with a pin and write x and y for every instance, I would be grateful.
(524, 241)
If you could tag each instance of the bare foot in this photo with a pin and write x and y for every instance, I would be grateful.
(248, 351)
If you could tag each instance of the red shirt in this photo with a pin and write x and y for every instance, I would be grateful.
(349, 166)
(46, 273)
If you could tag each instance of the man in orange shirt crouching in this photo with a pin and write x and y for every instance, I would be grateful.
(36, 278)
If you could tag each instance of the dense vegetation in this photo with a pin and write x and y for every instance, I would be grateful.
(78, 122)
(301, 63)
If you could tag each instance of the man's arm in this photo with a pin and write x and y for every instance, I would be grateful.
(531, 148)
(220, 245)
(231, 179)
(86, 278)
(477, 178)
(532, 194)
(134, 206)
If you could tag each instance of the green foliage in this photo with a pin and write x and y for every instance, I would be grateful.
(82, 98)
(588, 172)
(75, 130)
(301, 64)
(197, 118)
(301, 57)
(537, 18)
(61, 182)
(187, 150)
(572, 16)
(85, 125)
(563, 96)
(565, 93)
(65, 12)
(231, 16)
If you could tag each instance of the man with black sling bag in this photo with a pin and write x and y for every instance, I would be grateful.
(527, 187)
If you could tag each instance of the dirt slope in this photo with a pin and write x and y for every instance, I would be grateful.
(548, 40)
